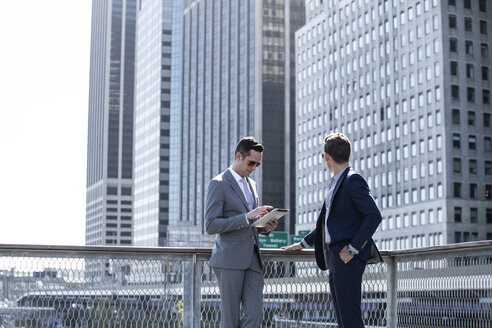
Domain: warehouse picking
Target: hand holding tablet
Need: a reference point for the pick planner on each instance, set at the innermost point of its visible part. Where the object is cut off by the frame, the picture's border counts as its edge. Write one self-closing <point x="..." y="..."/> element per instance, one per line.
<point x="276" y="213"/>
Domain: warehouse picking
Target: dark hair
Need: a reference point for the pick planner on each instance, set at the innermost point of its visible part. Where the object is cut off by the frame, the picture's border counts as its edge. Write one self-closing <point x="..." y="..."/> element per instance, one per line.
<point x="245" y="145"/>
<point x="337" y="145"/>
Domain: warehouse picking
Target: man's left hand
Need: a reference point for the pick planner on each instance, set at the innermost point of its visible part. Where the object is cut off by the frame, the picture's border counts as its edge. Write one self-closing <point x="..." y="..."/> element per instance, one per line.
<point x="345" y="255"/>
<point x="271" y="225"/>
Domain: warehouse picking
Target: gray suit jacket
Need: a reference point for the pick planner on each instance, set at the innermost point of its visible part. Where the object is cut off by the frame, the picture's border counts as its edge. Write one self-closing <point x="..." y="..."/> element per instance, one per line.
<point x="236" y="240"/>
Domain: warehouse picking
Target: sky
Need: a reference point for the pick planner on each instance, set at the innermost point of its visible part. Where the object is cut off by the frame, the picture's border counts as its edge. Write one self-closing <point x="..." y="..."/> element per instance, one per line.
<point x="44" y="92"/>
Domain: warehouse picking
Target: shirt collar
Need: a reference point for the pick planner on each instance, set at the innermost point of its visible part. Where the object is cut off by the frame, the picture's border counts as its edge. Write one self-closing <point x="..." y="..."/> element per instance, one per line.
<point x="337" y="177"/>
<point x="235" y="175"/>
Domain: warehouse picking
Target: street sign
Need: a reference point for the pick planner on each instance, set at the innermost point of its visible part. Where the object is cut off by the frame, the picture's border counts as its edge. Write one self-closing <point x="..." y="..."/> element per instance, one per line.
<point x="275" y="239"/>
<point x="303" y="232"/>
<point x="295" y="238"/>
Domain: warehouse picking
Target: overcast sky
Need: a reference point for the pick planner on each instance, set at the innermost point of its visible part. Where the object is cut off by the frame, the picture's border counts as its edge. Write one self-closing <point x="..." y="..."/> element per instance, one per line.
<point x="44" y="73"/>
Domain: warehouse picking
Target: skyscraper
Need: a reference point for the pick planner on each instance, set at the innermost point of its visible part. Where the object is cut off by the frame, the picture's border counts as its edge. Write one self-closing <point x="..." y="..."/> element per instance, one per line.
<point x="409" y="84"/>
<point x="152" y="122"/>
<point x="110" y="130"/>
<point x="234" y="78"/>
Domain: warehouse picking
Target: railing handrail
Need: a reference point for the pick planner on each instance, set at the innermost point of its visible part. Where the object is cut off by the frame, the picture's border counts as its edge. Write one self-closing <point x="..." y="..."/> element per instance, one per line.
<point x="384" y="280"/>
<point x="139" y="250"/>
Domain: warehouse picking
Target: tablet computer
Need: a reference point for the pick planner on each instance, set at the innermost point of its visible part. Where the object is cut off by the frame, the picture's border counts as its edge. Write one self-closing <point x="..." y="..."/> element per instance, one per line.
<point x="276" y="213"/>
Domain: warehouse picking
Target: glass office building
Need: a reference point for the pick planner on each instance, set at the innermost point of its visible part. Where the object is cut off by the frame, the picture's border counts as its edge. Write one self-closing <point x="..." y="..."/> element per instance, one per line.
<point x="110" y="125"/>
<point x="409" y="84"/>
<point x="152" y="122"/>
<point x="232" y="76"/>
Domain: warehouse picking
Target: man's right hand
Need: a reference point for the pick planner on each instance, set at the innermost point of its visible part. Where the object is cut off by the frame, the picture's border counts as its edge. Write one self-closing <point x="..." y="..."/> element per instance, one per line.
<point x="293" y="247"/>
<point x="259" y="211"/>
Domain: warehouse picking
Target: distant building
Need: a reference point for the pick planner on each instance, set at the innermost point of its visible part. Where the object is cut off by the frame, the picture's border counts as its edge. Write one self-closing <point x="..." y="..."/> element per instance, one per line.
<point x="409" y="84"/>
<point x="152" y="122"/>
<point x="232" y="76"/>
<point x="110" y="132"/>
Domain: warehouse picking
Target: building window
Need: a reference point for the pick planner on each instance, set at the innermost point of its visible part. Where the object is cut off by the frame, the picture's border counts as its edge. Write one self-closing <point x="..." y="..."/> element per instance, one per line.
<point x="488" y="215"/>
<point x="457" y="189"/>
<point x="452" y="21"/>
<point x="482" y="5"/>
<point x="486" y="120"/>
<point x="485" y="73"/>
<point x="452" y="2"/>
<point x="414" y="219"/>
<point x="488" y="192"/>
<point x="470" y="94"/>
<point x="468" y="24"/>
<point x="486" y="97"/>
<point x="474" y="215"/>
<point x="456" y="140"/>
<point x="484" y="50"/>
<point x="456" y="116"/>
<point x="469" y="47"/>
<point x="455" y="92"/>
<point x="438" y="142"/>
<point x="487" y="144"/>
<point x="472" y="166"/>
<point x="473" y="190"/>
<point x="467" y="4"/>
<point x="483" y="27"/>
<point x="488" y="167"/>
<point x="112" y="190"/>
<point x="472" y="142"/>
<point x="471" y="118"/>
<point x="470" y="71"/>
<point x="453" y="68"/>
<point x="453" y="45"/>
<point x="457" y="214"/>
<point x="457" y="165"/>
<point x="126" y="191"/>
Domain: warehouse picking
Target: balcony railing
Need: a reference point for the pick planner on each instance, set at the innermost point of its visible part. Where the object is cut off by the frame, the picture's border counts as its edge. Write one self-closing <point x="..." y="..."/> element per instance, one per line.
<point x="70" y="286"/>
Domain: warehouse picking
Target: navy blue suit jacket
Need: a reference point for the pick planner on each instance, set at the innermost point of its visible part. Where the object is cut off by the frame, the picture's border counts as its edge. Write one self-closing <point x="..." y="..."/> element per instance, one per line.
<point x="353" y="219"/>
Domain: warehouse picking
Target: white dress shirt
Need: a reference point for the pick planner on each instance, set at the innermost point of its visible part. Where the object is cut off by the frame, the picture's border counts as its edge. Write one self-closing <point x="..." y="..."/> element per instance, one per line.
<point x="241" y="185"/>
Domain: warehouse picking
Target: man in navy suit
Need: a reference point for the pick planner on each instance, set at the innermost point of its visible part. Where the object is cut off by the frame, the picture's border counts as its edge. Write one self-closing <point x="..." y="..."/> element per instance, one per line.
<point x="343" y="235"/>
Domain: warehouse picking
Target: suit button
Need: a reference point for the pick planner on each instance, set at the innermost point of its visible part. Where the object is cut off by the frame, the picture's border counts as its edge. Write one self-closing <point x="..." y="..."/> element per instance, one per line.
<point x="252" y="237"/>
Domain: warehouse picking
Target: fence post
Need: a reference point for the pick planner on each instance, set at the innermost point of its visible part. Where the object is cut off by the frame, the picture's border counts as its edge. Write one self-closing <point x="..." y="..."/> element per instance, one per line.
<point x="192" y="293"/>
<point x="391" y="290"/>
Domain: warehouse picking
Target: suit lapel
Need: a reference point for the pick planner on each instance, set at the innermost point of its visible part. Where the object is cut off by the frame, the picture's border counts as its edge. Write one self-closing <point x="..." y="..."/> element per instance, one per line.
<point x="339" y="182"/>
<point x="230" y="178"/>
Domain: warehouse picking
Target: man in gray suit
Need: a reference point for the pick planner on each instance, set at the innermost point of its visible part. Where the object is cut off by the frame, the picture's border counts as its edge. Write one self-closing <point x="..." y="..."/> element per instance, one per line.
<point x="232" y="206"/>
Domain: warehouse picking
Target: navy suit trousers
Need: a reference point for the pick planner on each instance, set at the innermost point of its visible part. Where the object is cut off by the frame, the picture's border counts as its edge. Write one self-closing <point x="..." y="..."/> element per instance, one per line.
<point x="345" y="286"/>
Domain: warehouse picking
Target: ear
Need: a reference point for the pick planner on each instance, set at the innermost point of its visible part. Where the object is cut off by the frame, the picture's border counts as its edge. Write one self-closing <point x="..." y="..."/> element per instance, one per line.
<point x="237" y="157"/>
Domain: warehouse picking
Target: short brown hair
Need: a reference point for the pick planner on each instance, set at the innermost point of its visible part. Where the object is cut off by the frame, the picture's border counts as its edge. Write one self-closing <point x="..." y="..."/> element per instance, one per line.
<point x="337" y="145"/>
<point x="246" y="144"/>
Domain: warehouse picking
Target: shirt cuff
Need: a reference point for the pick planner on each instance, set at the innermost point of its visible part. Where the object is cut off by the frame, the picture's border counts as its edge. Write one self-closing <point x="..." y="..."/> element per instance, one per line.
<point x="353" y="249"/>
<point x="304" y="244"/>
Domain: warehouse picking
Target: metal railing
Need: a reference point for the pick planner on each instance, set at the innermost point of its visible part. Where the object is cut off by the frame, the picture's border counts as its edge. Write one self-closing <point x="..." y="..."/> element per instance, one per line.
<point x="70" y="286"/>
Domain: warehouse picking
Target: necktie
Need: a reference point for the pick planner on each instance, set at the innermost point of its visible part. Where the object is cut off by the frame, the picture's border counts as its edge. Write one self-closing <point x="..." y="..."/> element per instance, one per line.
<point x="249" y="196"/>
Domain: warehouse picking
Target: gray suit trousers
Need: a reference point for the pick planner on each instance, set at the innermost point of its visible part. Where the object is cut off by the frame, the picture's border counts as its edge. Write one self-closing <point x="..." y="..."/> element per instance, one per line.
<point x="241" y="286"/>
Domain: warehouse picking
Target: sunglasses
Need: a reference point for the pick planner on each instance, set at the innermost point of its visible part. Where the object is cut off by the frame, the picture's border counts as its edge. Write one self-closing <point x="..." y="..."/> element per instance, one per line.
<point x="253" y="163"/>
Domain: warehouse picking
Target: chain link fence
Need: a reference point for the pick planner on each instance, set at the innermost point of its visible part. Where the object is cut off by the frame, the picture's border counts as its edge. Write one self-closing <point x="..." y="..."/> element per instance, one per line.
<point x="43" y="286"/>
